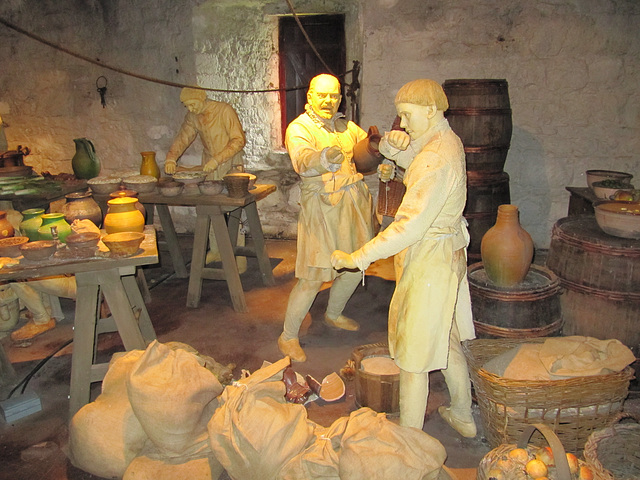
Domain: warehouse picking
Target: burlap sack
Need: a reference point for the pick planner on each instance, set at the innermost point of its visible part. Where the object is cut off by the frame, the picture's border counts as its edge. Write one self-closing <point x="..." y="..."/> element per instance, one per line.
<point x="173" y="397"/>
<point x="105" y="435"/>
<point x="255" y="432"/>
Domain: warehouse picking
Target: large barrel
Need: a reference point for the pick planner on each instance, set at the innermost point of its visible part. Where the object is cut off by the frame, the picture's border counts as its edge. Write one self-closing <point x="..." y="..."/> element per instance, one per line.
<point x="485" y="193"/>
<point x="480" y="114"/>
<point x="601" y="277"/>
<point x="528" y="309"/>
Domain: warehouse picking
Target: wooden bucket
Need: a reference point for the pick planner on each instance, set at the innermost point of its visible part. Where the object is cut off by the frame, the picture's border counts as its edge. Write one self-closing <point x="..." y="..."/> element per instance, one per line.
<point x="601" y="277"/>
<point x="378" y="392"/>
<point x="480" y="114"/>
<point x="527" y="310"/>
<point x="485" y="193"/>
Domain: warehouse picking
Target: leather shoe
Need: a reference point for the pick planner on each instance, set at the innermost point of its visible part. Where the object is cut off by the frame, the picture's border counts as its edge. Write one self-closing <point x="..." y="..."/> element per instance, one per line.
<point x="466" y="429"/>
<point x="342" y="322"/>
<point x="31" y="330"/>
<point x="292" y="348"/>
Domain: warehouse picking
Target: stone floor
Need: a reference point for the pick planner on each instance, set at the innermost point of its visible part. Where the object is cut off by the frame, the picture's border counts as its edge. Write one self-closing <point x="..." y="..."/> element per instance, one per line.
<point x="32" y="447"/>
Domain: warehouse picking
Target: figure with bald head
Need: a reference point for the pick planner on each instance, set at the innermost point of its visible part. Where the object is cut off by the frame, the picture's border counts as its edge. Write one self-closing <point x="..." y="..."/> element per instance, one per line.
<point x="336" y="210"/>
<point x="430" y="312"/>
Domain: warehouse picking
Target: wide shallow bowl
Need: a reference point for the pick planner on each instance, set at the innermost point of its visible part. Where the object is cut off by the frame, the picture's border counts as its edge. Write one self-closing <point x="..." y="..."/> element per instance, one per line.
<point x="605" y="189"/>
<point x="141" y="183"/>
<point x="84" y="240"/>
<point x="38" y="250"/>
<point x="211" y="187"/>
<point x="170" y="188"/>
<point x="189" y="177"/>
<point x="620" y="219"/>
<point x="104" y="185"/>
<point x="122" y="244"/>
<point x="10" y="247"/>
<point x="599" y="175"/>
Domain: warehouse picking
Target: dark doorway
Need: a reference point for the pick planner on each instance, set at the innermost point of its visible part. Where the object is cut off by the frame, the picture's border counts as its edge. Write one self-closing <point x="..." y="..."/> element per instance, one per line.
<point x="298" y="62"/>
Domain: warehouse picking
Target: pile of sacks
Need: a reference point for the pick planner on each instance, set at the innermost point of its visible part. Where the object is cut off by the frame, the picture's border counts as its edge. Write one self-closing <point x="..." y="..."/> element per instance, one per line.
<point x="163" y="415"/>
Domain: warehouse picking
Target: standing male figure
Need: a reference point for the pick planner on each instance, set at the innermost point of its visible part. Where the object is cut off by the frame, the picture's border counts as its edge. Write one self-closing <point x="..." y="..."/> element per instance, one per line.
<point x="336" y="208"/>
<point x="430" y="312"/>
<point x="222" y="137"/>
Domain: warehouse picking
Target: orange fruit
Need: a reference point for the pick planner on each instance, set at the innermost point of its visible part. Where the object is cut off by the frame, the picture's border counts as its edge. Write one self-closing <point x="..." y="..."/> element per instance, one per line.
<point x="546" y="455"/>
<point x="536" y="468"/>
<point x="519" y="455"/>
<point x="572" y="460"/>
<point x="585" y="473"/>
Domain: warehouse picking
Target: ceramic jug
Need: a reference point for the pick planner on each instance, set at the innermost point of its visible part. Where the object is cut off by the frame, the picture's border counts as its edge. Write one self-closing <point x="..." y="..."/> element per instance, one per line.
<point x="54" y="220"/>
<point x="85" y="162"/>
<point x="6" y="229"/>
<point x="506" y="249"/>
<point x="149" y="165"/>
<point x="81" y="205"/>
<point x="31" y="221"/>
<point x="123" y="216"/>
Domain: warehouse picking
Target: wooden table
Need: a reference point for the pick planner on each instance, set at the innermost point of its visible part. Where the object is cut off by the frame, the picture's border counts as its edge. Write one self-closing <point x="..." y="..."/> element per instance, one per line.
<point x="223" y="212"/>
<point x="42" y="200"/>
<point x="115" y="279"/>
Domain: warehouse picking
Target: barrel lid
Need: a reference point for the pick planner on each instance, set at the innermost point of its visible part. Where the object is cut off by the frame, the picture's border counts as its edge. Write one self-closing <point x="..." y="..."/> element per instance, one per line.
<point x="539" y="281"/>
<point x="583" y="231"/>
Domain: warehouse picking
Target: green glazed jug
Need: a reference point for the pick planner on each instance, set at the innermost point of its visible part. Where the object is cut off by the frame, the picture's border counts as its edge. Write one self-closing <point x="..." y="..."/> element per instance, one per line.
<point x="85" y="162"/>
<point x="31" y="221"/>
<point x="54" y="220"/>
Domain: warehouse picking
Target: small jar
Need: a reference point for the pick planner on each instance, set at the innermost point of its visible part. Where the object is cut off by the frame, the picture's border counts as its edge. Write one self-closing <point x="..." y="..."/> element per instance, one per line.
<point x="80" y="206"/>
<point x="31" y="221"/>
<point x="6" y="229"/>
<point x="54" y="220"/>
<point x="123" y="216"/>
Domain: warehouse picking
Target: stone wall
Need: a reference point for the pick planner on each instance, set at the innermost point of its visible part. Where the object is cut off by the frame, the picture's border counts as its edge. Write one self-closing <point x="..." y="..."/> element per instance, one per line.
<point x="572" y="68"/>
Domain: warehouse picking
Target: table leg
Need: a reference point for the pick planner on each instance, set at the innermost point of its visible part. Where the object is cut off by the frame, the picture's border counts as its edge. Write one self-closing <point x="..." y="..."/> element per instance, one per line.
<point x="228" y="257"/>
<point x="172" y="240"/>
<point x="136" y="300"/>
<point x="84" y="331"/>
<point x="255" y="227"/>
<point x="233" y="225"/>
<point x="201" y="237"/>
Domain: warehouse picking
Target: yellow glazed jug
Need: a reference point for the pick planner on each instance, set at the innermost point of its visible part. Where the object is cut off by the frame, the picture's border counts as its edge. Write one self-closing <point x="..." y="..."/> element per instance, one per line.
<point x="149" y="165"/>
<point x="123" y="216"/>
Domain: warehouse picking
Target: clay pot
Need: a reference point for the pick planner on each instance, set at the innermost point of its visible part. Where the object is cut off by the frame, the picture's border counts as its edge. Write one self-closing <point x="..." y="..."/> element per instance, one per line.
<point x="80" y="206"/>
<point x="54" y="220"/>
<point x="123" y="216"/>
<point x="6" y="229"/>
<point x="506" y="249"/>
<point x="131" y="194"/>
<point x="31" y="221"/>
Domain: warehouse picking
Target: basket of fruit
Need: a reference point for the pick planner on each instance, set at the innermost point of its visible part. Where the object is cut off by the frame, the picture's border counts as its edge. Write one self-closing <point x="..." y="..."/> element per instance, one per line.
<point x="523" y="461"/>
<point x="613" y="453"/>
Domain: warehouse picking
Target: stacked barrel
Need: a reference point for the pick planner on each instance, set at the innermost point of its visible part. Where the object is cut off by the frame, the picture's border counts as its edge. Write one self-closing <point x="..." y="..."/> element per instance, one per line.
<point x="480" y="114"/>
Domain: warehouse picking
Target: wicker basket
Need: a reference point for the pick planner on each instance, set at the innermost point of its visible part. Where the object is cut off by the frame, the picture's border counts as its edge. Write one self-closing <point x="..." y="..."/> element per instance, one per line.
<point x="390" y="196"/>
<point x="613" y="453"/>
<point x="573" y="408"/>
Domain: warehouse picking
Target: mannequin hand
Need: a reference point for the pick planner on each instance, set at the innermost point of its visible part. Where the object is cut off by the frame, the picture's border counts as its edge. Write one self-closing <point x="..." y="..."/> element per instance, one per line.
<point x="334" y="155"/>
<point x="398" y="139"/>
<point x="210" y="166"/>
<point x="340" y="260"/>
<point x="170" y="167"/>
<point x="385" y="172"/>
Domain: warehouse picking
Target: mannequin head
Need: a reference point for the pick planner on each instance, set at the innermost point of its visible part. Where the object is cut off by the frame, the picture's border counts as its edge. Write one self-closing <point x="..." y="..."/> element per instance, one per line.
<point x="324" y="95"/>
<point x="193" y="99"/>
<point x="420" y="104"/>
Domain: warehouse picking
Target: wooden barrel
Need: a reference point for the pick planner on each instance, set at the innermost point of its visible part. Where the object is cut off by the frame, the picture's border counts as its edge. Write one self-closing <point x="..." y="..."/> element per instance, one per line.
<point x="378" y="392"/>
<point x="601" y="277"/>
<point x="529" y="309"/>
<point x="485" y="193"/>
<point x="480" y="114"/>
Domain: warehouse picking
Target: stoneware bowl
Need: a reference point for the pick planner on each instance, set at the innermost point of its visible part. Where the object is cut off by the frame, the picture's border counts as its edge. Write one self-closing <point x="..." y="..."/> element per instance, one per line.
<point x="123" y="244"/>
<point x="141" y="183"/>
<point x="620" y="219"/>
<point x="599" y="175"/>
<point x="189" y="177"/>
<point x="605" y="189"/>
<point x="170" y="188"/>
<point x="10" y="247"/>
<point x="38" y="250"/>
<point x="84" y="240"/>
<point x="104" y="185"/>
<point x="211" y="187"/>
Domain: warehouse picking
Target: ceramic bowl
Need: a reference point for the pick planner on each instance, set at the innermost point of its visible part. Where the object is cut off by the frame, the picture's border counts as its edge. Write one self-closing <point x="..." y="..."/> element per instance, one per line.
<point x="83" y="241"/>
<point x="10" y="247"/>
<point x="211" y="187"/>
<point x="620" y="219"/>
<point x="104" y="185"/>
<point x="123" y="244"/>
<point x="38" y="250"/>
<point x="141" y="183"/>
<point x="605" y="189"/>
<point x="599" y="175"/>
<point x="189" y="177"/>
<point x="170" y="188"/>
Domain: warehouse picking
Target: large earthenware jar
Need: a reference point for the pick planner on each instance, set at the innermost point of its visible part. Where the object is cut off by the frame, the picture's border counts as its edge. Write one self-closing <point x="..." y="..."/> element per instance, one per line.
<point x="31" y="221"/>
<point x="85" y="162"/>
<point x="81" y="206"/>
<point x="6" y="229"/>
<point x="131" y="194"/>
<point x="123" y="216"/>
<point x="506" y="249"/>
<point x="54" y="220"/>
<point x="149" y="165"/>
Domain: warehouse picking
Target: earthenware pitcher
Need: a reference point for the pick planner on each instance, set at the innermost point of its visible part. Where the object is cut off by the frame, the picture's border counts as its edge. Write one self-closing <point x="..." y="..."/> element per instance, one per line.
<point x="85" y="162"/>
<point x="80" y="206"/>
<point x="149" y="165"/>
<point x="506" y="249"/>
<point x="31" y="221"/>
<point x="123" y="216"/>
<point x="54" y="220"/>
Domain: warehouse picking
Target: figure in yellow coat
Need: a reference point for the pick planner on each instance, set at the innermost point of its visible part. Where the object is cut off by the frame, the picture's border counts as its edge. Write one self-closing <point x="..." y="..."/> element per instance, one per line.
<point x="430" y="312"/>
<point x="336" y="208"/>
